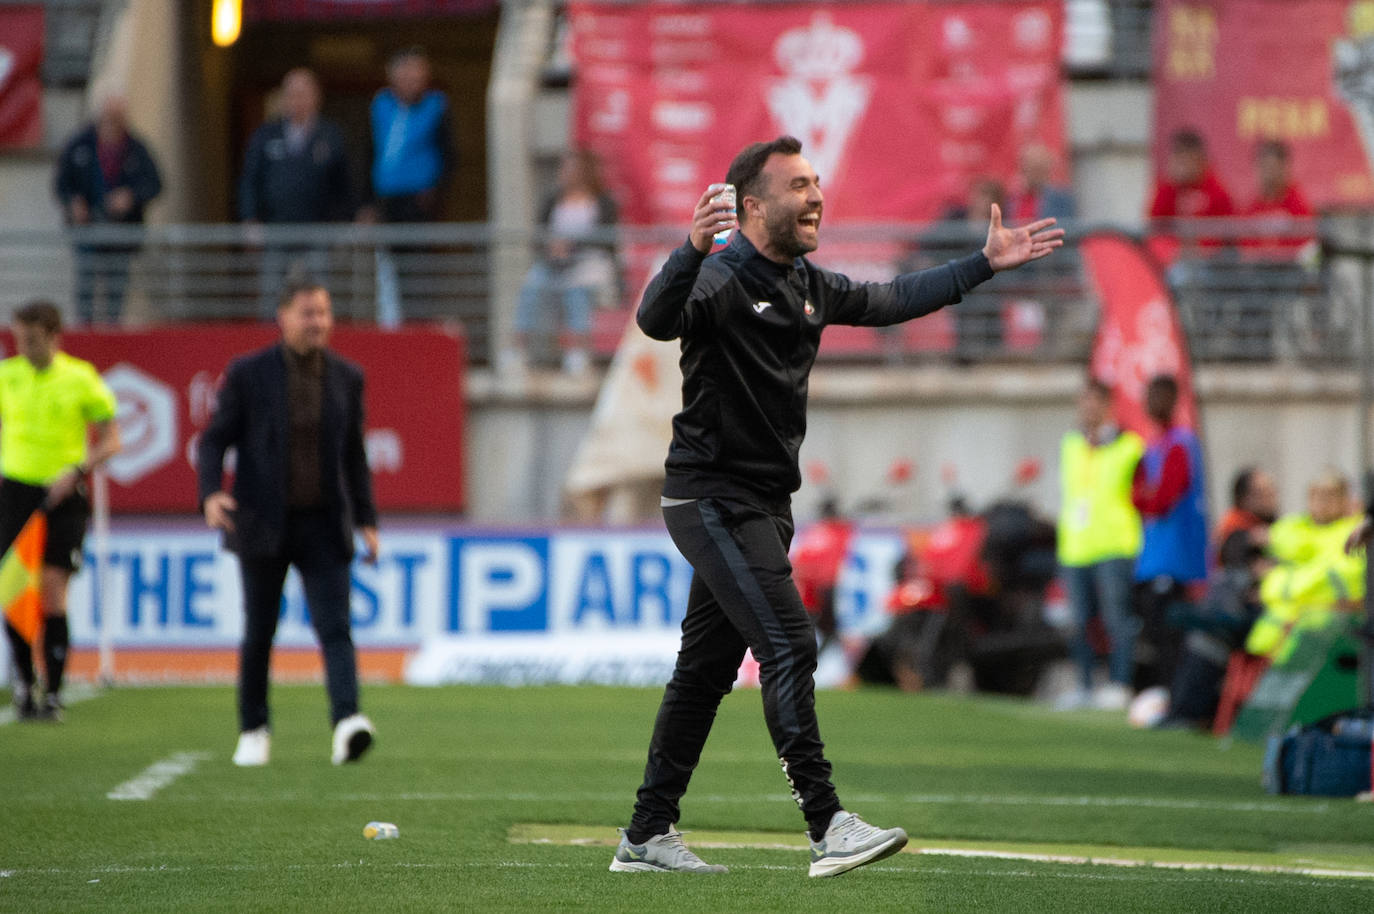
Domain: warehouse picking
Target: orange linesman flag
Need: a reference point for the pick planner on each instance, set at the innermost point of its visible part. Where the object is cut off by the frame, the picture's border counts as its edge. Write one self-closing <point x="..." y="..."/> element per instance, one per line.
<point x="21" y="576"/>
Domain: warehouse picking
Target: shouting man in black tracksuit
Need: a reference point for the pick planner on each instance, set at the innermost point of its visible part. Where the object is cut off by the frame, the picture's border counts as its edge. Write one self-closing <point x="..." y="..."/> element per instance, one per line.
<point x="750" y="321"/>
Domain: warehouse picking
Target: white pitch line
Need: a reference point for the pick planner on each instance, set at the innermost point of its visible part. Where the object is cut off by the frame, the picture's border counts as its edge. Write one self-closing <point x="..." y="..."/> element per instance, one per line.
<point x="1079" y="860"/>
<point x="1193" y="875"/>
<point x="156" y="776"/>
<point x="1239" y="806"/>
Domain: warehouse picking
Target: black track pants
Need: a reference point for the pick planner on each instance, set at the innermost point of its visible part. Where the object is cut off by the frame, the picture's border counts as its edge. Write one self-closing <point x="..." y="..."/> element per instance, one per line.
<point x="742" y="596"/>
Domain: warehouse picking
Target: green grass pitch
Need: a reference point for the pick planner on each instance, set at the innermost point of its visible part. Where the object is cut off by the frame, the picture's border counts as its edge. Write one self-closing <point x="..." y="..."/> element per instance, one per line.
<point x="508" y="799"/>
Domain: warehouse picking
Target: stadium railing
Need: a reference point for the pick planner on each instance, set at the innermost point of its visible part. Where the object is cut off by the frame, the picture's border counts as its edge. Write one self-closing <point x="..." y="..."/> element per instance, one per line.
<point x="1243" y="295"/>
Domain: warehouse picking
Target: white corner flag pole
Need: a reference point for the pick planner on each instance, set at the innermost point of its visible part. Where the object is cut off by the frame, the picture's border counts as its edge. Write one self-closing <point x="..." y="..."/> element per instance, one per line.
<point x="100" y="540"/>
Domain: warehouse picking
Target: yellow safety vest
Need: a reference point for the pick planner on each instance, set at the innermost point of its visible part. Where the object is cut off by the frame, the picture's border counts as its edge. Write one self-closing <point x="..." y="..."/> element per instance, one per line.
<point x="1097" y="520"/>
<point x="1316" y="577"/>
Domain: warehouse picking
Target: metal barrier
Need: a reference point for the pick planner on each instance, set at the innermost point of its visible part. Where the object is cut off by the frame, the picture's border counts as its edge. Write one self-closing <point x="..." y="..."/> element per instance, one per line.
<point x="1241" y="297"/>
<point x="1256" y="290"/>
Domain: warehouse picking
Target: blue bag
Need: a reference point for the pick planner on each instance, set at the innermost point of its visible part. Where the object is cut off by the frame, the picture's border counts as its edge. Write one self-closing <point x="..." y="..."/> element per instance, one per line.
<point x="1330" y="758"/>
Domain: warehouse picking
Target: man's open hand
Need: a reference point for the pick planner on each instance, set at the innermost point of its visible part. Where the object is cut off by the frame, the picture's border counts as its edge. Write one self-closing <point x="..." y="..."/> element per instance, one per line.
<point x="1008" y="248"/>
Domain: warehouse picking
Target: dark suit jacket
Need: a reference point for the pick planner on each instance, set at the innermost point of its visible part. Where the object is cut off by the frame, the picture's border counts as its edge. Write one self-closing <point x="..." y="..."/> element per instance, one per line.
<point x="251" y="415"/>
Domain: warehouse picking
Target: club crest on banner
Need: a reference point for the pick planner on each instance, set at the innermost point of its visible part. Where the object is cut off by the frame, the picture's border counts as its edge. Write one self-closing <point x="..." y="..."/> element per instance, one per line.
<point x="819" y="99"/>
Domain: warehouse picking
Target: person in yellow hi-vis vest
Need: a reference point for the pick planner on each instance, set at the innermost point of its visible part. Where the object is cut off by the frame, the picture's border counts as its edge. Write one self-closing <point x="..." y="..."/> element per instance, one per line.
<point x="1099" y="540"/>
<point x="1316" y="577"/>
<point x="50" y="403"/>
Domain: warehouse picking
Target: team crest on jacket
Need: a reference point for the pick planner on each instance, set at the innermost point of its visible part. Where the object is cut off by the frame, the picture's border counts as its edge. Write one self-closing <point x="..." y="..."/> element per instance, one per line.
<point x="809" y="308"/>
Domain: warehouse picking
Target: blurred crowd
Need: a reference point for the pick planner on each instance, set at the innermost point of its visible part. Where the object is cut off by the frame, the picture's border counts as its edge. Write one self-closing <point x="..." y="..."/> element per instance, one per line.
<point x="295" y="170"/>
<point x="1167" y="617"/>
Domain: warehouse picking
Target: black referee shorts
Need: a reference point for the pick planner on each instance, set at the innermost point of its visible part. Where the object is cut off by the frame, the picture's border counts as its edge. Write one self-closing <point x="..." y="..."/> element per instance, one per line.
<point x="67" y="521"/>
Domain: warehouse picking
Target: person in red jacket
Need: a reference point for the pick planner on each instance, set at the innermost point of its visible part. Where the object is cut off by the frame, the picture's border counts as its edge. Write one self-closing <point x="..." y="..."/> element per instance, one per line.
<point x="1277" y="205"/>
<point x="1189" y="189"/>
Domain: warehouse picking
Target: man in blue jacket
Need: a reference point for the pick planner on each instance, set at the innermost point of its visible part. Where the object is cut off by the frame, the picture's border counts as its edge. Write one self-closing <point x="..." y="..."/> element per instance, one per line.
<point x="1168" y="491"/>
<point x="410" y="161"/>
<point x="105" y="176"/>
<point x="750" y="321"/>
<point x="412" y="142"/>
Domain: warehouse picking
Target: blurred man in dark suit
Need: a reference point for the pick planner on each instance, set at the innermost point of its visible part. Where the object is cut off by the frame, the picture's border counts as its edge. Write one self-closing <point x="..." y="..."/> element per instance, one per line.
<point x="294" y="413"/>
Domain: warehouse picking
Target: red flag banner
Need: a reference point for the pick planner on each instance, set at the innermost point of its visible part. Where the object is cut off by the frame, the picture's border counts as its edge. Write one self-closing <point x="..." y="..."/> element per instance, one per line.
<point x="899" y="106"/>
<point x="1244" y="71"/>
<point x="21" y="90"/>
<point x="1138" y="331"/>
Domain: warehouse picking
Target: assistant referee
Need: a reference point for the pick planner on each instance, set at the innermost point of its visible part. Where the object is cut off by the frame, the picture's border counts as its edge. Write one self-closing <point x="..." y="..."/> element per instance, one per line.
<point x="50" y="403"/>
<point x="750" y="321"/>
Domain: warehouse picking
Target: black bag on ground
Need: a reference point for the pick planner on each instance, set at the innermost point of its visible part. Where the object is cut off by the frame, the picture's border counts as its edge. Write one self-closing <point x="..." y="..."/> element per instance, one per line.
<point x="1330" y="758"/>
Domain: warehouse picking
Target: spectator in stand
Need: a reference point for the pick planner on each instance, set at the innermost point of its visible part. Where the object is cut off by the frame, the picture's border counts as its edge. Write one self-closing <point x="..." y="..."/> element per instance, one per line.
<point x="410" y="160"/>
<point x="412" y="142"/>
<point x="105" y="176"/>
<point x="1189" y="189"/>
<point x="1168" y="492"/>
<point x="1254" y="506"/>
<point x="1036" y="196"/>
<point x="577" y="264"/>
<point x="1278" y="204"/>
<point x="295" y="170"/>
<point x="1099" y="542"/>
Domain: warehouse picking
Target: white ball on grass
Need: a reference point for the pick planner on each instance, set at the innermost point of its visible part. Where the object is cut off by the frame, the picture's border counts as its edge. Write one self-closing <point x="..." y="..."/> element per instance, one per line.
<point x="1148" y="708"/>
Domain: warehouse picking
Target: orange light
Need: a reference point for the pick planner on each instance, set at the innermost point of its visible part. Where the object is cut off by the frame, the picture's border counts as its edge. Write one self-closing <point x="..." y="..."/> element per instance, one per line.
<point x="226" y="20"/>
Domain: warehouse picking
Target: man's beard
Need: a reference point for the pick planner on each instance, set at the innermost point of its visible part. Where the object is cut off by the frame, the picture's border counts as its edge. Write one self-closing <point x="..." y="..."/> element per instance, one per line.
<point x="783" y="237"/>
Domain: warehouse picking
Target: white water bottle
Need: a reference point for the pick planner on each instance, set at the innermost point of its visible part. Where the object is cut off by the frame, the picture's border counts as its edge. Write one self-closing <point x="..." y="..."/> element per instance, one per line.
<point x="727" y="194"/>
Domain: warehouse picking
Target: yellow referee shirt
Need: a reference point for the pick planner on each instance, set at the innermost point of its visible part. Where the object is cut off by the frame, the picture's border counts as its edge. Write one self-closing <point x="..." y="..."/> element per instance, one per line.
<point x="44" y="415"/>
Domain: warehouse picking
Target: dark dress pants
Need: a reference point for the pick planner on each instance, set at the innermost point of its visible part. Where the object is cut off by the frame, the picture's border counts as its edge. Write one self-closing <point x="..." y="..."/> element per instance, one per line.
<point x="325" y="575"/>
<point x="742" y="596"/>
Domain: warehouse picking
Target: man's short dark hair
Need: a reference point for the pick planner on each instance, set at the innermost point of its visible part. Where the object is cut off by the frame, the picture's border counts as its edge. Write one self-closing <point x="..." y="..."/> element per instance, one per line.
<point x="407" y="53"/>
<point x="1187" y="140"/>
<point x="1243" y="484"/>
<point x="746" y="171"/>
<point x="298" y="286"/>
<point x="40" y="313"/>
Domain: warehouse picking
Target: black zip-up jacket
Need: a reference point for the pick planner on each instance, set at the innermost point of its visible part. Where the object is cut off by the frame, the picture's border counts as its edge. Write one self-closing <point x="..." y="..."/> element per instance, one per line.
<point x="750" y="329"/>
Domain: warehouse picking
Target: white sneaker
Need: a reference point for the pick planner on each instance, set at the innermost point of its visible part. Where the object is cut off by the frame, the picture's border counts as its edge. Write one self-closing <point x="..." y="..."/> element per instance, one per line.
<point x="849" y="842"/>
<point x="352" y="736"/>
<point x="664" y="853"/>
<point x="1112" y="696"/>
<point x="254" y="748"/>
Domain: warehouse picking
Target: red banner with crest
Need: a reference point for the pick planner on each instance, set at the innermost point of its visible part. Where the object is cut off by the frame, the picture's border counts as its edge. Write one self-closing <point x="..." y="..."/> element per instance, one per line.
<point x="899" y="106"/>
